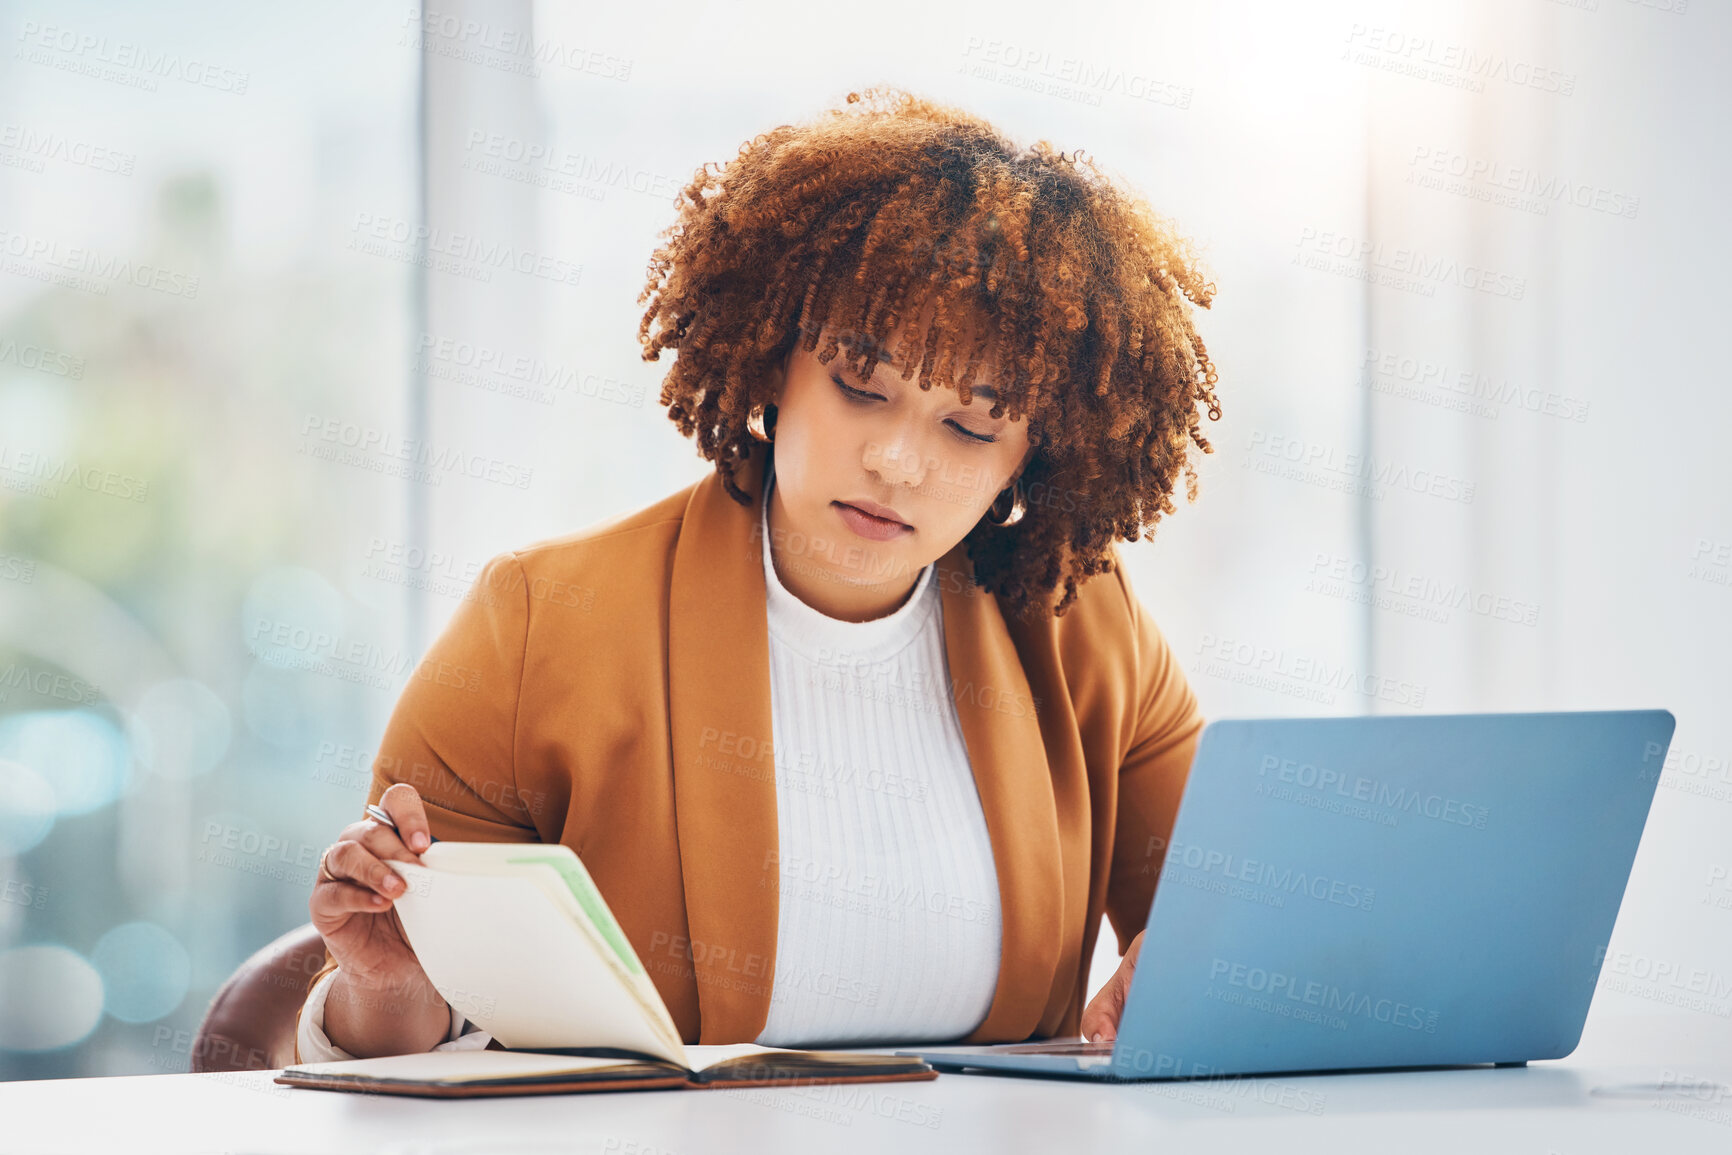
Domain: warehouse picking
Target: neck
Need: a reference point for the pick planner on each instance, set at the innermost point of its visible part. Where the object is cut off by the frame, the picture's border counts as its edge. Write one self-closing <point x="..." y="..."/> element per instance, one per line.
<point x="819" y="586"/>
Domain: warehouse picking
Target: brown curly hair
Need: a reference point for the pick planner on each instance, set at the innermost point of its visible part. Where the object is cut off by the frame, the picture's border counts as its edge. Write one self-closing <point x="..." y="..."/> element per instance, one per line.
<point x="860" y="218"/>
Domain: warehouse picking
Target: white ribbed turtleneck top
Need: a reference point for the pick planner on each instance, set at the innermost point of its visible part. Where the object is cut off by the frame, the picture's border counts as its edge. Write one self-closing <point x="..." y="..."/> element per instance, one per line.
<point x="889" y="923"/>
<point x="889" y="914"/>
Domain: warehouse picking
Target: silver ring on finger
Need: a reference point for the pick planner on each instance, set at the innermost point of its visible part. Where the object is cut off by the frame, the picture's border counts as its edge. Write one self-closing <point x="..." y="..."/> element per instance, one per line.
<point x="325" y="874"/>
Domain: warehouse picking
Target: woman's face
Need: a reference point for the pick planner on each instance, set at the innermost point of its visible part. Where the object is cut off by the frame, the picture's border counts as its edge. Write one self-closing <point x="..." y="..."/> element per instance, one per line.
<point x="848" y="448"/>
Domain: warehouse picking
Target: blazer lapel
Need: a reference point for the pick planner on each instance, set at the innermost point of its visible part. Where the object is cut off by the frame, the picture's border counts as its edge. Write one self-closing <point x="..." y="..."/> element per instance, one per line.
<point x="995" y="708"/>
<point x="723" y="762"/>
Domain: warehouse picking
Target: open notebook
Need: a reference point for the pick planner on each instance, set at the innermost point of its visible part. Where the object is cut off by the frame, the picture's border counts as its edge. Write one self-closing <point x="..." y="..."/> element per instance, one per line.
<point x="459" y="1074"/>
<point x="517" y="937"/>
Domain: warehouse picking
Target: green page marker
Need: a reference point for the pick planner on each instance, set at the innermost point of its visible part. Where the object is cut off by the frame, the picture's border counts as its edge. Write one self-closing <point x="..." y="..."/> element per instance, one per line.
<point x="583" y="889"/>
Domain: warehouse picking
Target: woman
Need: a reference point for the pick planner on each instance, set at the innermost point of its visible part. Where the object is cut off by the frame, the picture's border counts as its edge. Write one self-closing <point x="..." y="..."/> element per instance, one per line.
<point x="843" y="769"/>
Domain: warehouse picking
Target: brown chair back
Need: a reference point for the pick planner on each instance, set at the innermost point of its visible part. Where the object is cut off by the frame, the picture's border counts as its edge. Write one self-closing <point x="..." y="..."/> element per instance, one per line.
<point x="250" y="1025"/>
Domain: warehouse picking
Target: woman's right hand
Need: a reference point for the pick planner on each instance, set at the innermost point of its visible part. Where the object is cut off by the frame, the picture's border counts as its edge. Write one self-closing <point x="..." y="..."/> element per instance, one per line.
<point x="381" y="1001"/>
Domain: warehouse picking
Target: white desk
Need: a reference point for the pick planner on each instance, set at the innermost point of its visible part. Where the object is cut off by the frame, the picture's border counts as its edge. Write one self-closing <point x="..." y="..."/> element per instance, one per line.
<point x="1550" y="1107"/>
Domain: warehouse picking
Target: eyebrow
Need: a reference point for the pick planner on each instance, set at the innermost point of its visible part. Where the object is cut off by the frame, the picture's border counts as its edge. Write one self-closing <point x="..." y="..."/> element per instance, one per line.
<point x="884" y="358"/>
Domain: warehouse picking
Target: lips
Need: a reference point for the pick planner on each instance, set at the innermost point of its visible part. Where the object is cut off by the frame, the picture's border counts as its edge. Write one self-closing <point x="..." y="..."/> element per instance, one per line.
<point x="870" y="525"/>
<point x="882" y="512"/>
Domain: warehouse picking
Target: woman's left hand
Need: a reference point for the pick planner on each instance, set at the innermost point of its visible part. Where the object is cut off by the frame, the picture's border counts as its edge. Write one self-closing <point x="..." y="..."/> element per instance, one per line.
<point x="1100" y="1019"/>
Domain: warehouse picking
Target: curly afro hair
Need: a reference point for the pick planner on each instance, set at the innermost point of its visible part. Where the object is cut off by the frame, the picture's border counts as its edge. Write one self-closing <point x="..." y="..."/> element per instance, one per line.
<point x="855" y="222"/>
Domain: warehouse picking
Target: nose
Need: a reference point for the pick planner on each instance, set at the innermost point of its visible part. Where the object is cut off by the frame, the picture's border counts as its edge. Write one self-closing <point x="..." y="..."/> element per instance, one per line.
<point x="898" y="461"/>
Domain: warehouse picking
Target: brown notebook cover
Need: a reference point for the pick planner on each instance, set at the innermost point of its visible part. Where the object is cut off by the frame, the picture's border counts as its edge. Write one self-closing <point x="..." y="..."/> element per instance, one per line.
<point x="466" y="1075"/>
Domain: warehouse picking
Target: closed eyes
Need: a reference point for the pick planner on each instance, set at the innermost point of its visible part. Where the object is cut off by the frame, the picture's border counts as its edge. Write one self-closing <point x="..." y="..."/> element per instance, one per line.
<point x="862" y="396"/>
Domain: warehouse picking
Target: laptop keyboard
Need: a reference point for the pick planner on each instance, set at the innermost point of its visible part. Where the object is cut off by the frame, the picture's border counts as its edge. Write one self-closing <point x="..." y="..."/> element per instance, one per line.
<point x="1075" y="1048"/>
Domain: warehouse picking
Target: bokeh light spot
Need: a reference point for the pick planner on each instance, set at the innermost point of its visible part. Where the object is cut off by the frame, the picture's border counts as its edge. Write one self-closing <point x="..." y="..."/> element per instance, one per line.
<point x="145" y="971"/>
<point x="26" y="808"/>
<point x="50" y="997"/>
<point x="180" y="729"/>
<point x="84" y="758"/>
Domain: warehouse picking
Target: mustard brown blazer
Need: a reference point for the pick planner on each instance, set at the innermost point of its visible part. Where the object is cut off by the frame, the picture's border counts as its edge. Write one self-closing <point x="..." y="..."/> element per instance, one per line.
<point x="609" y="689"/>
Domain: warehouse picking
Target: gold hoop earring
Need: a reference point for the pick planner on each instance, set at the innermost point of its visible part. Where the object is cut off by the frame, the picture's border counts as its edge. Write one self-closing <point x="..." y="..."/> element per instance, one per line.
<point x="1017" y="506"/>
<point x="755" y="424"/>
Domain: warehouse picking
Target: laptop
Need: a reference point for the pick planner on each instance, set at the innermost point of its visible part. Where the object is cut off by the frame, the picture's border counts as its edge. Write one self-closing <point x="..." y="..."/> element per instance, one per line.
<point x="1380" y="892"/>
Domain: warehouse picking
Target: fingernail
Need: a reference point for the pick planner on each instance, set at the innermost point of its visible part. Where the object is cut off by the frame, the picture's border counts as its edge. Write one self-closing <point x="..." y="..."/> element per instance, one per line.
<point x="1095" y="1038"/>
<point x="393" y="883"/>
<point x="418" y="841"/>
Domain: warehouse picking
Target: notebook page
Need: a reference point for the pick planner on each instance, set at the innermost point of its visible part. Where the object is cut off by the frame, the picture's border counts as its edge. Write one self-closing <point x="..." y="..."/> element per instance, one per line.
<point x="559" y="871"/>
<point x="633" y="978"/>
<point x="520" y="968"/>
<point x="704" y="1057"/>
<point x="459" y="1066"/>
<point x="566" y="882"/>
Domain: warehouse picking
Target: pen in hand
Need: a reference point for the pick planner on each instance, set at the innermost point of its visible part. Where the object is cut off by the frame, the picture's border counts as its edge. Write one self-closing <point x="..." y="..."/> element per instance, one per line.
<point x="380" y="814"/>
<point x="361" y="877"/>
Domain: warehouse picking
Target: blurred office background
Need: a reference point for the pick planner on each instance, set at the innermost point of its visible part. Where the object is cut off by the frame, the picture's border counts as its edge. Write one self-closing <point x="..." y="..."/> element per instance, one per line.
<point x="1470" y="262"/>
